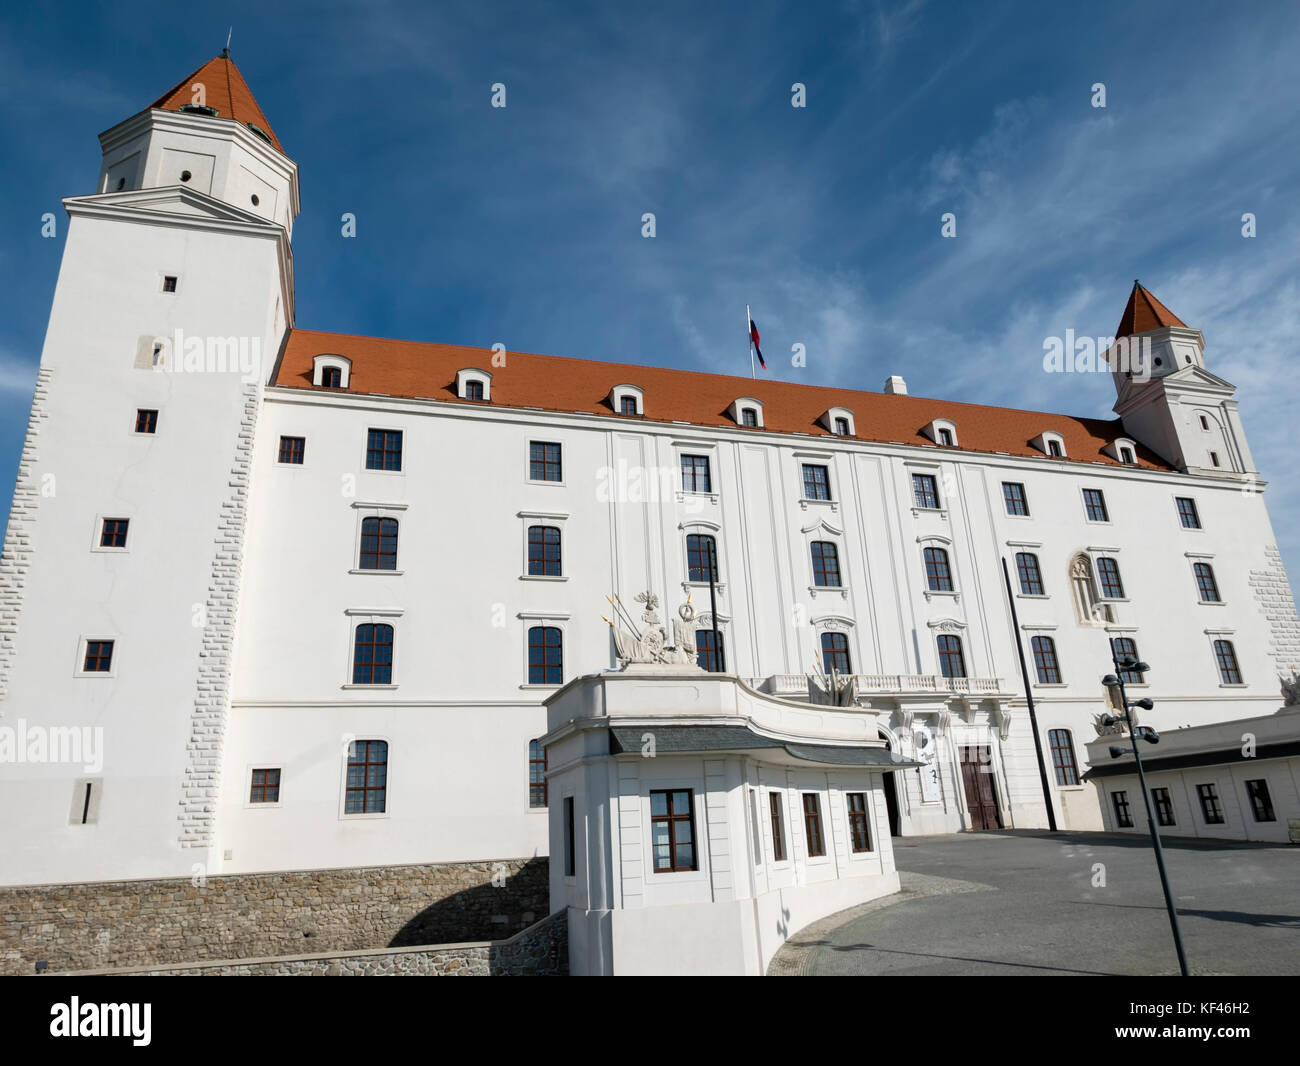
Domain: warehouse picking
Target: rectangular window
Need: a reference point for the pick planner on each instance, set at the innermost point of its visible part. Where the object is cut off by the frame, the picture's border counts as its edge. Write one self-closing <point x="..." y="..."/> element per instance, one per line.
<point x="545" y="656"/>
<point x="169" y="283"/>
<point x="113" y="533"/>
<point x="1046" y="663"/>
<point x="835" y="653"/>
<point x="367" y="783"/>
<point x="99" y="657"/>
<point x="537" y="796"/>
<point x="709" y="655"/>
<point x="1054" y="449"/>
<point x="1112" y="588"/>
<point x="701" y="557"/>
<point x="292" y="449"/>
<point x="1031" y="578"/>
<point x="816" y="482"/>
<point x="384" y="449"/>
<point x="945" y="437"/>
<point x="266" y="787"/>
<point x="543" y="551"/>
<point x="826" y="564"/>
<point x="1126" y="648"/>
<point x="672" y="830"/>
<point x="841" y="427"/>
<point x="1188" y="517"/>
<point x="1164" y="806"/>
<point x="952" y="663"/>
<point x="859" y="830"/>
<point x="1206" y="587"/>
<point x="1210" y="807"/>
<point x="925" y="491"/>
<point x="1261" y="804"/>
<point x="695" y="474"/>
<point x="1013" y="495"/>
<point x="812" y="824"/>
<point x="570" y="850"/>
<point x="1123" y="816"/>
<point x="146" y="420"/>
<point x="1062" y="745"/>
<point x="1095" y="505"/>
<point x="1226" y="658"/>
<point x="544" y="461"/>
<point x="938" y="575"/>
<point x="378" y="544"/>
<point x="778" y="826"/>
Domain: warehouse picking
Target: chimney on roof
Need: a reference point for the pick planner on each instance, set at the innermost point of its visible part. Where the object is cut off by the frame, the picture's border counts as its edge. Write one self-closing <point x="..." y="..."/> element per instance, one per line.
<point x="895" y="386"/>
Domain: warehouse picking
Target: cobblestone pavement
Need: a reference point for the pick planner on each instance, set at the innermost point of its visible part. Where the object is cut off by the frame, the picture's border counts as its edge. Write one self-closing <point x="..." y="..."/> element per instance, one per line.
<point x="1031" y="902"/>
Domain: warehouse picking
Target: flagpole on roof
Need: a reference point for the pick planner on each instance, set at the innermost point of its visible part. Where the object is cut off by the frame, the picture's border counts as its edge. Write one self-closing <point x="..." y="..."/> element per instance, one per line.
<point x="749" y="332"/>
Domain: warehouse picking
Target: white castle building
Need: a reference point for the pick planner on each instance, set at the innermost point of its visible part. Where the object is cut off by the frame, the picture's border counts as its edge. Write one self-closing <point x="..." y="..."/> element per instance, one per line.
<point x="311" y="590"/>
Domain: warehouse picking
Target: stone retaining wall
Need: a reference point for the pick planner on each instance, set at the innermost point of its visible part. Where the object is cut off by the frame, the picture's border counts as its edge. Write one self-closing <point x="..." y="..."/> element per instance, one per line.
<point x="542" y="950"/>
<point x="253" y="916"/>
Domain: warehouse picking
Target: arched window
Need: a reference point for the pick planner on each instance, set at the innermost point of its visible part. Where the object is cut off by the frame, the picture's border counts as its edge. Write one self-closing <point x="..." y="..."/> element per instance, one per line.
<point x="835" y="653"/>
<point x="331" y="377"/>
<point x="701" y="557"/>
<point x="1045" y="662"/>
<point x="709" y="654"/>
<point x="545" y="656"/>
<point x="1086" y="606"/>
<point x="826" y="564"/>
<point x="937" y="574"/>
<point x="1126" y="648"/>
<point x="1226" y="656"/>
<point x="1207" y="588"/>
<point x="367" y="782"/>
<point x="537" y="796"/>
<point x="1031" y="578"/>
<point x="543" y="551"/>
<point x="372" y="659"/>
<point x="951" y="661"/>
<point x="1062" y="745"/>
<point x="1111" y="586"/>
<point x="378" y="544"/>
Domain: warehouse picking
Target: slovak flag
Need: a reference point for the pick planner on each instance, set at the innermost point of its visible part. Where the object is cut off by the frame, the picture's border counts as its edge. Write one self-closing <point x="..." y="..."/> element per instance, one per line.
<point x="753" y="339"/>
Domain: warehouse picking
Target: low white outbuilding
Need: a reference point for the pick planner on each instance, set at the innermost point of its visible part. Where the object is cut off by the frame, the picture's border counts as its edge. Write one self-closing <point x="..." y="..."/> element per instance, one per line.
<point x="697" y="823"/>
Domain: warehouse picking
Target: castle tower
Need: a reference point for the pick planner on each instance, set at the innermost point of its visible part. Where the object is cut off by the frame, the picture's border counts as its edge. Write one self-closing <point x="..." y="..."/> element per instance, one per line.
<point x="1167" y="399"/>
<point x="121" y="574"/>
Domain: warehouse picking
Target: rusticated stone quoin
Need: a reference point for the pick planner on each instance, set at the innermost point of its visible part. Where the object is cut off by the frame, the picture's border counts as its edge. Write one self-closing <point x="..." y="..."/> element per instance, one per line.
<point x="251" y="916"/>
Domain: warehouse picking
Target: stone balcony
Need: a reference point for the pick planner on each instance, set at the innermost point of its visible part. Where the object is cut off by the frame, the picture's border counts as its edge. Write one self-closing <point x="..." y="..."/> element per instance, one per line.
<point x="889" y="685"/>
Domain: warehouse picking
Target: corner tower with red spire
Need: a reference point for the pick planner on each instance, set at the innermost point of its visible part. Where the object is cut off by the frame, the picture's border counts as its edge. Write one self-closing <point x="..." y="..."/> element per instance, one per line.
<point x="1167" y="399"/>
<point x="174" y="295"/>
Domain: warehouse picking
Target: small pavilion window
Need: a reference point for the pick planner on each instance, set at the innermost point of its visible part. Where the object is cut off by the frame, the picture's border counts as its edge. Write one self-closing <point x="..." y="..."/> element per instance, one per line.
<point x="672" y="830"/>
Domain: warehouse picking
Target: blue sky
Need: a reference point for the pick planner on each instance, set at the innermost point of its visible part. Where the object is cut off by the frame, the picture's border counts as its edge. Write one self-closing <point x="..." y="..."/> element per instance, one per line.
<point x="523" y="225"/>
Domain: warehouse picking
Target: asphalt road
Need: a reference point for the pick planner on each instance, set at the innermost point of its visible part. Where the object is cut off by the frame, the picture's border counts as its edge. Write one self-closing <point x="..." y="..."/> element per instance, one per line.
<point x="1026" y="902"/>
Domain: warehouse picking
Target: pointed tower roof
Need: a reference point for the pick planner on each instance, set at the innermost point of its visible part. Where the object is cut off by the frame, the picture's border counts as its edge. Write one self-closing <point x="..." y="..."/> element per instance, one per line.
<point x="225" y="90"/>
<point x="1145" y="312"/>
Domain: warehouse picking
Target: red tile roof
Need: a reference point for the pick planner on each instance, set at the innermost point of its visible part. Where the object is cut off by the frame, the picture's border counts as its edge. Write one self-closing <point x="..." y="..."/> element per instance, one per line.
<point x="1145" y="312"/>
<point x="421" y="370"/>
<point x="224" y="88"/>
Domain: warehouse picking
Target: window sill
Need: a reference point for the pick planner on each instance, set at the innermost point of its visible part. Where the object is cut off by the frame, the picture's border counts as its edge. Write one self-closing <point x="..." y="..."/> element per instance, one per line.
<point x="386" y="573"/>
<point x="691" y="495"/>
<point x="543" y="577"/>
<point x="261" y="806"/>
<point x="1050" y="684"/>
<point x="1233" y="684"/>
<point x="110" y="551"/>
<point x="1032" y="596"/>
<point x="381" y="688"/>
<point x="281" y="462"/>
<point x="1022" y="517"/>
<point x="534" y="481"/>
<point x="1072" y="788"/>
<point x="363" y="817"/>
<point x="940" y="512"/>
<point x="1202" y="603"/>
<point x="554" y="686"/>
<point x="390" y="473"/>
<point x="842" y="590"/>
<point x="946" y="593"/>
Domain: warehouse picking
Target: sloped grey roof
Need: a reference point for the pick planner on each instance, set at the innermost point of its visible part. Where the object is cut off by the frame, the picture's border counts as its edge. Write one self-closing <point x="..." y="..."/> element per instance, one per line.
<point x="693" y="738"/>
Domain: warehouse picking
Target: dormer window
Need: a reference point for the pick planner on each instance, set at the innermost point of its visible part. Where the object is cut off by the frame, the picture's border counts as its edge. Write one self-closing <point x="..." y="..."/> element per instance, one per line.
<point x="943" y="431"/>
<point x="332" y="371"/>
<point x="1123" y="450"/>
<point x="839" y="421"/>
<point x="747" y="411"/>
<point x="627" y="399"/>
<point x="198" y="109"/>
<point x="1050" y="443"/>
<point x="474" y="384"/>
<point x="260" y="132"/>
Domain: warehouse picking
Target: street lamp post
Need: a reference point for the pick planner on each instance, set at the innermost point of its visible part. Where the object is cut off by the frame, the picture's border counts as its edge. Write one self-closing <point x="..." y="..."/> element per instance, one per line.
<point x="1116" y="680"/>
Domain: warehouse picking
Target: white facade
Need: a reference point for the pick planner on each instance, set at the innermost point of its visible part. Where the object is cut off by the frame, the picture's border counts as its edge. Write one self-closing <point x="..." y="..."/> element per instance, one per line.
<point x="235" y="604"/>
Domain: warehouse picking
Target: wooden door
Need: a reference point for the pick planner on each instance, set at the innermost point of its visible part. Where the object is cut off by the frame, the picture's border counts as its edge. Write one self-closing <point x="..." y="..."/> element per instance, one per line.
<point x="981" y="796"/>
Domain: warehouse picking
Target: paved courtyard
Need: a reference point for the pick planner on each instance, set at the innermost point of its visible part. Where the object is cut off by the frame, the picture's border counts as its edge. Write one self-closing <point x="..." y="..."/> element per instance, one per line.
<point x="1024" y="902"/>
